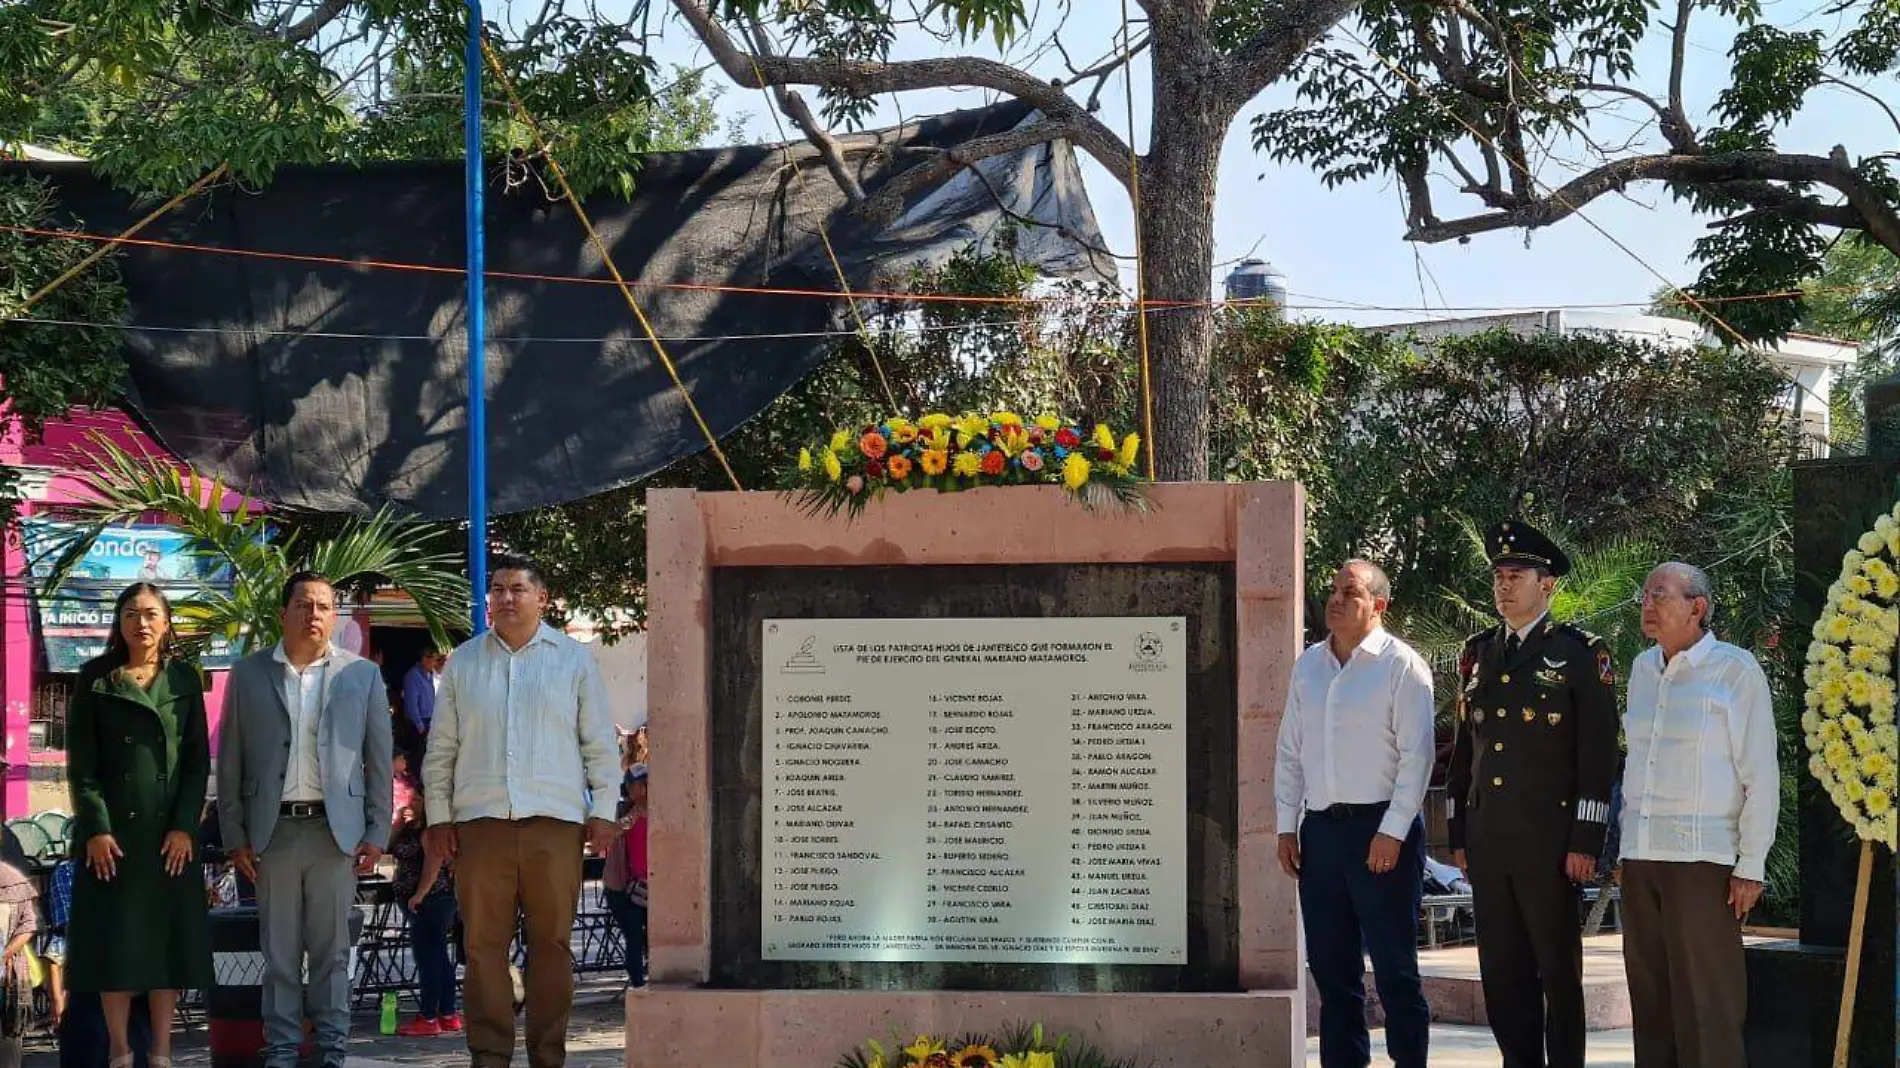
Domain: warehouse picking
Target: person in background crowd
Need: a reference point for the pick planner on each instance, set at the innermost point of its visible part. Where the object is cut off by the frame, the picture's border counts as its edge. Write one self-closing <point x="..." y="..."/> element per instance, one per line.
<point x="1529" y="793"/>
<point x="138" y="761"/>
<point x="1352" y="765"/>
<point x="640" y="753"/>
<point x="1702" y="793"/>
<point x="18" y="921"/>
<point x="419" y="687"/>
<point x="624" y="878"/>
<point x="59" y="906"/>
<point x="426" y="891"/>
<point x="519" y="776"/>
<point x="305" y="786"/>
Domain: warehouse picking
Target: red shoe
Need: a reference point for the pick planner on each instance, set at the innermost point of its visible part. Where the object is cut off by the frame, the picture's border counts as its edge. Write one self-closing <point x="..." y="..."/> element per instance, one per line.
<point x="420" y="1027"/>
<point x="451" y="1024"/>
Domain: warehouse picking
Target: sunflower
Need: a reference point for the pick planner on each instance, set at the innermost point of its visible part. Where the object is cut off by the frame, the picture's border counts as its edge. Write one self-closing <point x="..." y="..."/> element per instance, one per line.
<point x="974" y="1056"/>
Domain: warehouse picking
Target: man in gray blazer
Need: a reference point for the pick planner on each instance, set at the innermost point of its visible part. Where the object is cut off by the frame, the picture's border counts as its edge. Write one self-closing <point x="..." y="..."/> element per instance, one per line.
<point x="304" y="800"/>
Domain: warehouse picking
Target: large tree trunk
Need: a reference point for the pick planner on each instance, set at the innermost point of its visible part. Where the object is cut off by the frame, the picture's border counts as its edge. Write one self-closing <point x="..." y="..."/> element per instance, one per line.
<point x="1176" y="218"/>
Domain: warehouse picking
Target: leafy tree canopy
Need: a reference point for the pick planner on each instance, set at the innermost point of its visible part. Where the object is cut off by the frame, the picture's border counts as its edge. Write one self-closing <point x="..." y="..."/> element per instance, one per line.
<point x="1485" y="93"/>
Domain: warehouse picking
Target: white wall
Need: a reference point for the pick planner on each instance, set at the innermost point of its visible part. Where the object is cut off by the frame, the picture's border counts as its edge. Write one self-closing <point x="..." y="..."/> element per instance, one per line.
<point x="624" y="666"/>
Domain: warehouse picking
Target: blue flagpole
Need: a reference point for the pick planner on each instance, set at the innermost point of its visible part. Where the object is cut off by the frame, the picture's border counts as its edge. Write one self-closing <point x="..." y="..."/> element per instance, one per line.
<point x="477" y="328"/>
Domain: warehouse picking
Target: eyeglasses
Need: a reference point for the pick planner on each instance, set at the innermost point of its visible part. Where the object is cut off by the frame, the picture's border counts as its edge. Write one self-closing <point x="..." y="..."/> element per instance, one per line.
<point x="1643" y="596"/>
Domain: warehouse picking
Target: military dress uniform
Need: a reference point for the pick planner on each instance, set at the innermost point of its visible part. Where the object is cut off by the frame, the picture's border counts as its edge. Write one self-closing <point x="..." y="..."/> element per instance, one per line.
<point x="1530" y="780"/>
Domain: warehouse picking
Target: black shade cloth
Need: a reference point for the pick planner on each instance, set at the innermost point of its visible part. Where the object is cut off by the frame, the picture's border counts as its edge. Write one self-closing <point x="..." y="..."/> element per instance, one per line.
<point x="285" y="413"/>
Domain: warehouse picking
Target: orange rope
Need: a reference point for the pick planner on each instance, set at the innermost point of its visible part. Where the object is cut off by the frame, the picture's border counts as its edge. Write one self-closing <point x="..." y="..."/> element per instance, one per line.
<point x="105" y="249"/>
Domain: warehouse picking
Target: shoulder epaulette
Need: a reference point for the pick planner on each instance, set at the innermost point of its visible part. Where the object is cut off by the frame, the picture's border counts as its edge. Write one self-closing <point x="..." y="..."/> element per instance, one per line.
<point x="1579" y="633"/>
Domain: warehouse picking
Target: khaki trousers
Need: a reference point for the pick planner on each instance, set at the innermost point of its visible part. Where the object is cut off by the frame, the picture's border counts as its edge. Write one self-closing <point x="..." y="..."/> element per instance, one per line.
<point x="1682" y="950"/>
<point x="533" y="867"/>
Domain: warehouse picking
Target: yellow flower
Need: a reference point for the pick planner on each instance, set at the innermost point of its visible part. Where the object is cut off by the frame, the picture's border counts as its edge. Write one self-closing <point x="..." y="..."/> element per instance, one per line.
<point x="1014" y="1060"/>
<point x="804" y="459"/>
<point x="1104" y="437"/>
<point x="840" y="441"/>
<point x="1006" y="419"/>
<point x="1131" y="448"/>
<point x="967" y="464"/>
<point x="1837" y="754"/>
<point x="1858" y="586"/>
<point x="1048" y="421"/>
<point x="1887" y="586"/>
<point x="934" y="461"/>
<point x="1075" y="471"/>
<point x="935" y="421"/>
<point x="923" y="1047"/>
<point x="973" y="426"/>
<point x="1042" y="1059"/>
<point x="1879" y="803"/>
<point x="833" y="469"/>
<point x="1837" y="628"/>
<point x="1870" y="543"/>
<point x="904" y="434"/>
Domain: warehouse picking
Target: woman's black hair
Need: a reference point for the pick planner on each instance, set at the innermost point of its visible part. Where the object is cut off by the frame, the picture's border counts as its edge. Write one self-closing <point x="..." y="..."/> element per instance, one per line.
<point x="116" y="649"/>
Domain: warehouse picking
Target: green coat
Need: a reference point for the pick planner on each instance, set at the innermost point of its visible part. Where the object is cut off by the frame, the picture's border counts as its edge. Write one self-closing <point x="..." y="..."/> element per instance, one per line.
<point x="138" y="762"/>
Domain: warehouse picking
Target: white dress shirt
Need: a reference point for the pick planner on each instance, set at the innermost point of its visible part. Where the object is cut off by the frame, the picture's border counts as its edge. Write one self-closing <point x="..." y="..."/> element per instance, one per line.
<point x="1702" y="783"/>
<point x="1356" y="733"/>
<point x="521" y="733"/>
<point x="303" y="699"/>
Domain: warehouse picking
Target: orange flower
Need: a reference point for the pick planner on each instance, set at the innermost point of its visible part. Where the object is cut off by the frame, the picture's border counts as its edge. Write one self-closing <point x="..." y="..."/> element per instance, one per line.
<point x="899" y="467"/>
<point x="873" y="445"/>
<point x="934" y="461"/>
<point x="994" y="461"/>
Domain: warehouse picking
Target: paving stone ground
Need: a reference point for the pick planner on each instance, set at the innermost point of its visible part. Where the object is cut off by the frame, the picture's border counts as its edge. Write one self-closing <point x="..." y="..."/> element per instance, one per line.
<point x="596" y="1041"/>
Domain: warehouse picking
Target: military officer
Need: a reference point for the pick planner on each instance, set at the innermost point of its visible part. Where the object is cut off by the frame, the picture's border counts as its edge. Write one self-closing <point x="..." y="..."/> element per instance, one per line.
<point x="1529" y="798"/>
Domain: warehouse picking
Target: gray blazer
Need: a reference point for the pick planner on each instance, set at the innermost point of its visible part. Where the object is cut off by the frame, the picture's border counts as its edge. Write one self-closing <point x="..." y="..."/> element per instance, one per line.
<point x="353" y="752"/>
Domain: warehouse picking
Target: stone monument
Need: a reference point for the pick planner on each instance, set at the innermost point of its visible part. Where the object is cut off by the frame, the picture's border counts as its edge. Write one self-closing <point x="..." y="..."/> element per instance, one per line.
<point x="1795" y="986"/>
<point x="965" y="762"/>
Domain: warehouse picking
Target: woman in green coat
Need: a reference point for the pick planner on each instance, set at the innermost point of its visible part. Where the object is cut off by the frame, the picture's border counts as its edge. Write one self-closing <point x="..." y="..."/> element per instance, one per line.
<point x="138" y="762"/>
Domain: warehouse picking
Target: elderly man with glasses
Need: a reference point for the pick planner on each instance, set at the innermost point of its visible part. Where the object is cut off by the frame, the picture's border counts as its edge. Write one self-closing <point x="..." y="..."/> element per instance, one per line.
<point x="1701" y="793"/>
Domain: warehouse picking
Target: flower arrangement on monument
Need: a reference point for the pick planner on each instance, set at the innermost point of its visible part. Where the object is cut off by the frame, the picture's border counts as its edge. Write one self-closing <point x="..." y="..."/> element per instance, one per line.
<point x="1019" y="1047"/>
<point x="1849" y="720"/>
<point x="949" y="454"/>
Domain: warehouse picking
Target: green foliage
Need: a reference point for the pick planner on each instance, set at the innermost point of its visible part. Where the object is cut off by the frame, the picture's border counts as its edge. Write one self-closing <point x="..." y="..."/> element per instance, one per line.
<point x="45" y="369"/>
<point x="363" y="555"/>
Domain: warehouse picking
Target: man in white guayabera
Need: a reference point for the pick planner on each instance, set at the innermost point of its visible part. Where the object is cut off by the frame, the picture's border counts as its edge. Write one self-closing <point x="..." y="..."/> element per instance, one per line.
<point x="1700" y="795"/>
<point x="1355" y="757"/>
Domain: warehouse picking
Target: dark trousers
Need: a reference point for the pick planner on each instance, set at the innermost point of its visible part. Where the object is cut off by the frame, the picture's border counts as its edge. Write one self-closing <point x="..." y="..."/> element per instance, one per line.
<point x="1530" y="955"/>
<point x="1682" y="946"/>
<point x="1350" y="913"/>
<point x="632" y="919"/>
<point x="429" y="941"/>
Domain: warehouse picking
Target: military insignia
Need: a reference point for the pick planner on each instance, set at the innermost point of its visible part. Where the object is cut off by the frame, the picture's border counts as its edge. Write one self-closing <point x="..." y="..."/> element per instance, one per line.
<point x="1549" y="663"/>
<point x="1530" y="714"/>
<point x="1604" y="670"/>
<point x="1554" y="718"/>
<point x="1550" y="678"/>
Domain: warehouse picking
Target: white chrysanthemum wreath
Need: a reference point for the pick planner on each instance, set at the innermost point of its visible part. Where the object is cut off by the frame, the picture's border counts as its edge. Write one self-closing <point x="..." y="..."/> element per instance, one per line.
<point x="1849" y="720"/>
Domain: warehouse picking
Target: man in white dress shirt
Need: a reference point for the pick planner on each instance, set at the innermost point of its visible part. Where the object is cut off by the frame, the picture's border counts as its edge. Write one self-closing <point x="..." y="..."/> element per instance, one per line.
<point x="1355" y="756"/>
<point x="1700" y="798"/>
<point x="521" y="773"/>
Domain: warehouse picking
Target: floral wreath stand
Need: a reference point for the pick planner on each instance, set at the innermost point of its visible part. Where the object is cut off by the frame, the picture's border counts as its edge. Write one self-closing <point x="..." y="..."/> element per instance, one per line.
<point x="1849" y="719"/>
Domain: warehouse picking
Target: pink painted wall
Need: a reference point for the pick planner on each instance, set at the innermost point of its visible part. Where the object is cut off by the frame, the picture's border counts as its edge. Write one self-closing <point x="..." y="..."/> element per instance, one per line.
<point x="63" y="448"/>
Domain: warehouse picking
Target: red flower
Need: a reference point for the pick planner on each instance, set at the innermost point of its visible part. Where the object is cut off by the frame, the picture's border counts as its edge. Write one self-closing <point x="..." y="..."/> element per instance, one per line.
<point x="1105" y="455"/>
<point x="1066" y="438"/>
<point x="994" y="461"/>
<point x="874" y="468"/>
<point x="1035" y="435"/>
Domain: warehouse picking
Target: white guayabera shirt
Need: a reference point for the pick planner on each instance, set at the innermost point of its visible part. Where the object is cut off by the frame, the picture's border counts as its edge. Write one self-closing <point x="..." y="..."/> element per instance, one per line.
<point x="1701" y="784"/>
<point x="521" y="733"/>
<point x="1356" y="733"/>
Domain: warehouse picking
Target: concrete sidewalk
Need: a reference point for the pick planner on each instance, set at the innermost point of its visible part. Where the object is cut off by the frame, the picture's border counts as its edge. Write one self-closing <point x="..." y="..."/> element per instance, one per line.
<point x="1458" y="1046"/>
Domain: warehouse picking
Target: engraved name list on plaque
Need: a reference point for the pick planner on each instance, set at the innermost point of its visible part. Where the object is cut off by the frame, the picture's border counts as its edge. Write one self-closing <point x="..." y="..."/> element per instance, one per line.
<point x="981" y="790"/>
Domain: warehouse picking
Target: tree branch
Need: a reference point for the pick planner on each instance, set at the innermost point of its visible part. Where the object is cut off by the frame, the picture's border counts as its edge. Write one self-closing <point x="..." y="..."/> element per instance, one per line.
<point x="1266" y="57"/>
<point x="1732" y="172"/>
<point x="1882" y="104"/>
<point x="1675" y="125"/>
<point x="795" y="108"/>
<point x="312" y="24"/>
<point x="869" y="78"/>
<point x="884" y="205"/>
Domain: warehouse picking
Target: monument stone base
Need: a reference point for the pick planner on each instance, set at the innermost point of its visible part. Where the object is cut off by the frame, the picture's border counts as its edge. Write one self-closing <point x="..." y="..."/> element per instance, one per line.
<point x="814" y="1028"/>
